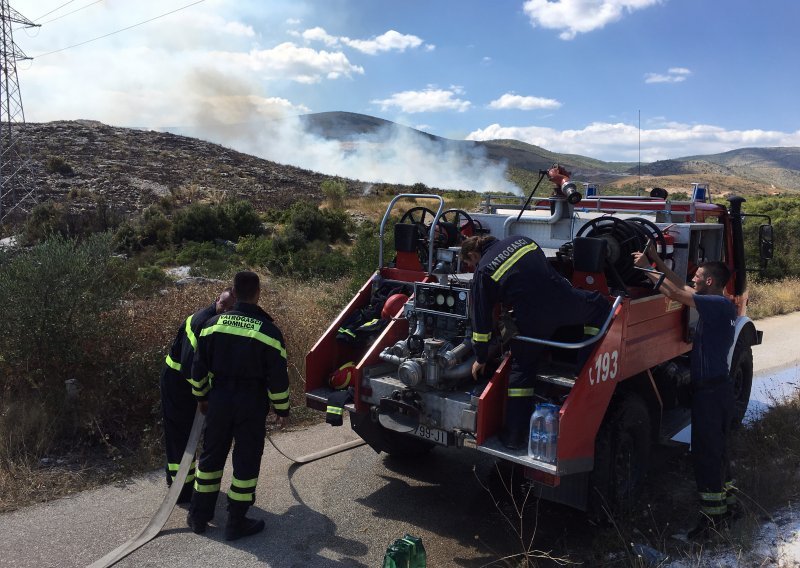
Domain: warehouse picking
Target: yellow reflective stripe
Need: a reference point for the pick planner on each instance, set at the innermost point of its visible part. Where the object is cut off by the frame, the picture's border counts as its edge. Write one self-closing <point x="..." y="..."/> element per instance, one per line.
<point x="209" y="474"/>
<point x="244" y="483"/>
<point x="498" y="274"/>
<point x="348" y="364"/>
<point x="240" y="496"/>
<point x="712" y="496"/>
<point x="335" y="410"/>
<point x="202" y="392"/>
<point x="481" y="337"/>
<point x="189" y="478"/>
<point x="520" y="392"/>
<point x="729" y="486"/>
<point x="172" y="363"/>
<point x="371" y="322"/>
<point x="199" y="384"/>
<point x="173" y="466"/>
<point x="206" y="488"/>
<point x="590" y="330"/>
<point x="281" y="405"/>
<point x="278" y="395"/>
<point x="346" y="331"/>
<point x="720" y="510"/>
<point x="190" y="334"/>
<point x="251" y="333"/>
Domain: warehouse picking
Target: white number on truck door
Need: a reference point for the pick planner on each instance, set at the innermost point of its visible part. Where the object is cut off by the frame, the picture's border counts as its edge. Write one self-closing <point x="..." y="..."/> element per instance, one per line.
<point x="605" y="367"/>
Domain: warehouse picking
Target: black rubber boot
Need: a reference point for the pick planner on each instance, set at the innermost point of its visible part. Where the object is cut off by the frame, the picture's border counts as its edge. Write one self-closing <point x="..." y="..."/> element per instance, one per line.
<point x="513" y="438"/>
<point x="708" y="526"/>
<point x="185" y="495"/>
<point x="242" y="526"/>
<point x="198" y="527"/>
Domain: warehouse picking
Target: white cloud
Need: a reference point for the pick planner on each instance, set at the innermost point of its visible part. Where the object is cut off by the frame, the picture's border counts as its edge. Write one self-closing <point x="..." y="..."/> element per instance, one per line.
<point x="512" y="101"/>
<point x="429" y="100"/>
<point x="294" y="22"/>
<point x="388" y="41"/>
<point x="319" y="34"/>
<point x="673" y="75"/>
<point x="619" y="141"/>
<point x="580" y="16"/>
<point x="301" y="64"/>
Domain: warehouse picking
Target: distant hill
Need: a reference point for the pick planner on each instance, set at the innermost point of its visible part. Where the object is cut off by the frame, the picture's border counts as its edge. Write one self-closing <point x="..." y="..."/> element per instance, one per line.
<point x="772" y="169"/>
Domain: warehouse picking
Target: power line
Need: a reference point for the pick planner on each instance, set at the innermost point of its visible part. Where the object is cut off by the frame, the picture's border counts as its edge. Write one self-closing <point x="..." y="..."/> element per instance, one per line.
<point x="54" y="10"/>
<point x="69" y="13"/>
<point x="120" y="30"/>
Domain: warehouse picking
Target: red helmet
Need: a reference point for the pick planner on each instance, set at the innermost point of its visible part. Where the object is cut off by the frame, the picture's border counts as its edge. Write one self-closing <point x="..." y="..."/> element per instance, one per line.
<point x="392" y="305"/>
<point x="340" y="379"/>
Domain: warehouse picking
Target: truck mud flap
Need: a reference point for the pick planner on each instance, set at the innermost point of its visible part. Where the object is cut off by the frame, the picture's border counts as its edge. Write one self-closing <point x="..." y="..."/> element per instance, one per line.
<point x="161" y="516"/>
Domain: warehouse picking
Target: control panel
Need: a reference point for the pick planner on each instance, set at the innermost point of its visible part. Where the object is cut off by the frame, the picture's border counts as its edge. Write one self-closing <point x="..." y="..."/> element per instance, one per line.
<point x="442" y="300"/>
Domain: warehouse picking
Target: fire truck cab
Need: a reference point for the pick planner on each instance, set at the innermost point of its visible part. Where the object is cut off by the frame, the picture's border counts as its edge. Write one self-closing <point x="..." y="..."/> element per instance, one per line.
<point x="412" y="388"/>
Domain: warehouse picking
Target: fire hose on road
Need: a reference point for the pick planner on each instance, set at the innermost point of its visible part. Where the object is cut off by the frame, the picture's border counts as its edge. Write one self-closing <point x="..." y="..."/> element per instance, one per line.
<point x="159" y="519"/>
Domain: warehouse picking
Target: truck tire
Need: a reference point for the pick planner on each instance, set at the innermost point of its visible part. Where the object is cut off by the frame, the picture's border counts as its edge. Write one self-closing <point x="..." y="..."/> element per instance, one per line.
<point x="622" y="450"/>
<point x="741" y="375"/>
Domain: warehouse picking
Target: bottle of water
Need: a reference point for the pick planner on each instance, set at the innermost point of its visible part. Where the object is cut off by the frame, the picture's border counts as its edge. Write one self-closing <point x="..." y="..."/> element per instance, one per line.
<point x="535" y="445"/>
<point x="550" y="435"/>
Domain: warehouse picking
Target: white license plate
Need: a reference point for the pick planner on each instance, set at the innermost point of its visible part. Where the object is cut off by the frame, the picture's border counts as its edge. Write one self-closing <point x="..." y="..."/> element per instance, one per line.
<point x="431" y="434"/>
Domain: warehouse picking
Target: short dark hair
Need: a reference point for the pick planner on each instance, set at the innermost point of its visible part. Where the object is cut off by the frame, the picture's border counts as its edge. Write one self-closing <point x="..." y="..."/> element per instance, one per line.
<point x="246" y="285"/>
<point x="718" y="271"/>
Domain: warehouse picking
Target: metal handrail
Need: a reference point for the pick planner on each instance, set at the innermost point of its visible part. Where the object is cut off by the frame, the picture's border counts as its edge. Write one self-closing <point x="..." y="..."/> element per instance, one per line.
<point x="583" y="343"/>
<point x="432" y="230"/>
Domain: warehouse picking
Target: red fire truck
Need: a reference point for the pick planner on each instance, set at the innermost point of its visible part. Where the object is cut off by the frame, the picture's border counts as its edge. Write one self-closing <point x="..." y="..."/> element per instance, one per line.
<point x="411" y="384"/>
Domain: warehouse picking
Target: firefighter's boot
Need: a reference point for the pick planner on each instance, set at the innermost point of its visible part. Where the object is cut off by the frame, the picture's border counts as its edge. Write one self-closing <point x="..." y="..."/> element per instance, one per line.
<point x="238" y="527"/>
<point x="198" y="527"/>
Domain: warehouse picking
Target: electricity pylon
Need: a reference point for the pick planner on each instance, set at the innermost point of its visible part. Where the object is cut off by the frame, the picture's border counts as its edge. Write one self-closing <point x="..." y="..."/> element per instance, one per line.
<point x="16" y="183"/>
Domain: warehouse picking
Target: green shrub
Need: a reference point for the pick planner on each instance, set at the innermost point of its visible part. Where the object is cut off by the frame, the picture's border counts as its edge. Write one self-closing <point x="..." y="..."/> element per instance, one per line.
<point x="197" y="222"/>
<point x="335" y="191"/>
<point x="256" y="251"/>
<point x="150" y="278"/>
<point x="207" y="259"/>
<point x="238" y="219"/>
<point x="46" y="220"/>
<point x="58" y="165"/>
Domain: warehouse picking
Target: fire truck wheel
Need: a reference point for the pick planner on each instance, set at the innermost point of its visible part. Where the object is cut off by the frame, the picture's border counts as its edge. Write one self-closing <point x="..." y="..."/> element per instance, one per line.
<point x="622" y="450"/>
<point x="742" y="377"/>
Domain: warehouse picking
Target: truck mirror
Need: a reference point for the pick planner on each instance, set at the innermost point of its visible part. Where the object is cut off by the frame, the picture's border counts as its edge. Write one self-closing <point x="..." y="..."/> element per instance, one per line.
<point x="765" y="243"/>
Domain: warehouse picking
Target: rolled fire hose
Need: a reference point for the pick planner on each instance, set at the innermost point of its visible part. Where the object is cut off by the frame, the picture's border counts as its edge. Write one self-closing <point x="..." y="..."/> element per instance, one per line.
<point x="161" y="516"/>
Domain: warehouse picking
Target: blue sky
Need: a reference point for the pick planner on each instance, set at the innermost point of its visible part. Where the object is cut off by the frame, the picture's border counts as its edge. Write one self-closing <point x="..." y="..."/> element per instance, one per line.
<point x="570" y="75"/>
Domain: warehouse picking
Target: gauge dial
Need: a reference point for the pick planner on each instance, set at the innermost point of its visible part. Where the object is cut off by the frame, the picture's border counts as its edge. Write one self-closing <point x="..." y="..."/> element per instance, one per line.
<point x="440" y="299"/>
<point x="451" y="301"/>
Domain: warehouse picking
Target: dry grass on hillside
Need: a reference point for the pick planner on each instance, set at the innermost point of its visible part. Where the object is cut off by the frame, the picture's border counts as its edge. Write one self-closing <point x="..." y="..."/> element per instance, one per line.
<point x="773" y="298"/>
<point x="718" y="184"/>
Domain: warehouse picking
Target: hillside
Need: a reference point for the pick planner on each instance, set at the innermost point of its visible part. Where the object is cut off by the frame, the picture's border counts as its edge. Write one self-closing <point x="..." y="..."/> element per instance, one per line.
<point x="132" y="168"/>
<point x="770" y="169"/>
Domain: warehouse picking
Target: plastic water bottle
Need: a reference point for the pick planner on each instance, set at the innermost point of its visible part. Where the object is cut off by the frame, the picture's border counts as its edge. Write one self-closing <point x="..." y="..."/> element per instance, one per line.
<point x="418" y="555"/>
<point x="535" y="445"/>
<point x="550" y="434"/>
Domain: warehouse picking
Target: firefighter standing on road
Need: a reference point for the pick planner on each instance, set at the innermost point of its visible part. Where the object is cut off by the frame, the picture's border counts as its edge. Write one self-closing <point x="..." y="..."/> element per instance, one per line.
<point x="239" y="367"/>
<point x="178" y="405"/>
<point x="515" y="272"/>
<point x="712" y="388"/>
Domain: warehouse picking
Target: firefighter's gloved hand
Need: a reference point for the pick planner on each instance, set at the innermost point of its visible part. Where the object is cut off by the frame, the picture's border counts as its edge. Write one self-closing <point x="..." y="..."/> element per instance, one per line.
<point x="202" y="405"/>
<point x="477" y="370"/>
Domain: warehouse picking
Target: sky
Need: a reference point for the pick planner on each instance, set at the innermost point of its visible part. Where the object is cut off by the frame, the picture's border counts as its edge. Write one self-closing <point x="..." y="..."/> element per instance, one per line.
<point x="616" y="80"/>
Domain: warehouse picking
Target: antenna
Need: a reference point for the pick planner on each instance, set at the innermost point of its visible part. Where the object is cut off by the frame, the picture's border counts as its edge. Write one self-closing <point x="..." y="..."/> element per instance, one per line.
<point x="15" y="186"/>
<point x="639" y="187"/>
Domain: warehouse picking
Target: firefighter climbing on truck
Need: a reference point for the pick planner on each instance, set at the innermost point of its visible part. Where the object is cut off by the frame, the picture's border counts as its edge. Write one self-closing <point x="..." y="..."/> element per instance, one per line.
<point x="514" y="271"/>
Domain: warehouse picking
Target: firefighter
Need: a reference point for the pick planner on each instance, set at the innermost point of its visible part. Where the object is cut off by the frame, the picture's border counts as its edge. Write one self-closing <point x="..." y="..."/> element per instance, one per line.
<point x="712" y="388"/>
<point x="515" y="272"/>
<point x="239" y="368"/>
<point x="178" y="405"/>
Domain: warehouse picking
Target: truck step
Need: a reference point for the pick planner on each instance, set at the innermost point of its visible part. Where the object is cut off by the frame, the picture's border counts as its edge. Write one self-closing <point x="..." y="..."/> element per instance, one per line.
<point x="493" y="447"/>
<point x="318" y="399"/>
<point x="561" y="375"/>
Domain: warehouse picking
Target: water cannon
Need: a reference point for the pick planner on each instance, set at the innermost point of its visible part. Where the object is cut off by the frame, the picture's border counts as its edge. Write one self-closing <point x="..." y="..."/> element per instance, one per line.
<point x="564" y="187"/>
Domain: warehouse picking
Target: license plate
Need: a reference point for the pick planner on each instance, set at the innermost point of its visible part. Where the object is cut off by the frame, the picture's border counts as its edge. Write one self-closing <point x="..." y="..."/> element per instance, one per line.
<point x="431" y="434"/>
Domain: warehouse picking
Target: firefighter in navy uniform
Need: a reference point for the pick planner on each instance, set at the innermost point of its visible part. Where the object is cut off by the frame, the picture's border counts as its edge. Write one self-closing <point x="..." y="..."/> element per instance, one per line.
<point x="239" y="368"/>
<point x="178" y="405"/>
<point x="712" y="387"/>
<point x="515" y="272"/>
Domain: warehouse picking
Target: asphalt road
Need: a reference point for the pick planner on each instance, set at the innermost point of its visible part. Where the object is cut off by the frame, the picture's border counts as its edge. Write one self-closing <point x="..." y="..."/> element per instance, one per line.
<point x="340" y="511"/>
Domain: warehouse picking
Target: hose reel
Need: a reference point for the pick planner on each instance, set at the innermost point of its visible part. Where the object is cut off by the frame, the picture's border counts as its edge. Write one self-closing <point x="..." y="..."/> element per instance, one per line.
<point x="623" y="237"/>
